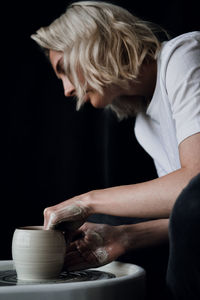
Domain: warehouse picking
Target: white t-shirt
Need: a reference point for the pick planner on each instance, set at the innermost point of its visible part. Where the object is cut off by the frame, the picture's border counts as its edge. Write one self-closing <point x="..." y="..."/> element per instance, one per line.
<point x="174" y="111"/>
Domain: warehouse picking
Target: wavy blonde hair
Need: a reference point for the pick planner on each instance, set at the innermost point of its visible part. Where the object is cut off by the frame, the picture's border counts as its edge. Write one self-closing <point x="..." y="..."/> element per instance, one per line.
<point x="104" y="42"/>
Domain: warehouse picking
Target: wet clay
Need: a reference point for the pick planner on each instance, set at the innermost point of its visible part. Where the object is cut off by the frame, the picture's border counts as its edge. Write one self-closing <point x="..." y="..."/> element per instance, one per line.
<point x="66" y="214"/>
<point x="101" y="255"/>
<point x="97" y="240"/>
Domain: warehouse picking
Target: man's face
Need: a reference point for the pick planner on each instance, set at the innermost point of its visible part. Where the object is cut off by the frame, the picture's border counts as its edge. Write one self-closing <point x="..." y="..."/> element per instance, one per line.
<point x="94" y="97"/>
<point x="110" y="93"/>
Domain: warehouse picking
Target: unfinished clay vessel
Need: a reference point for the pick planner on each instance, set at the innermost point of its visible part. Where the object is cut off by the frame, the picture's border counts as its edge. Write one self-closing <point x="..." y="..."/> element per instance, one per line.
<point x="38" y="254"/>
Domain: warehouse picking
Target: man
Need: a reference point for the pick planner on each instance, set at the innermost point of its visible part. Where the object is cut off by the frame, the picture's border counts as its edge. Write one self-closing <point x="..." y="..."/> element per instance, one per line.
<point x="108" y="57"/>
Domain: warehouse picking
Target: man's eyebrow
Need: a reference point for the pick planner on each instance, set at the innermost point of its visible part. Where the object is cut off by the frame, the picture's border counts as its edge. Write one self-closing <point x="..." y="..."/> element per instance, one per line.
<point x="60" y="66"/>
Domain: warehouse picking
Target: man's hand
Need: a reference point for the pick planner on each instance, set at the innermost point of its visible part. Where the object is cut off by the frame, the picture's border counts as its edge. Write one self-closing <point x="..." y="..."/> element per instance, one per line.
<point x="95" y="245"/>
<point x="68" y="215"/>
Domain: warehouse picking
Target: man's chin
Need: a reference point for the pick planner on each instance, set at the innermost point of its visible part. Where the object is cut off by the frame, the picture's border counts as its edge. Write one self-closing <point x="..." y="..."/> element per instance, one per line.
<point x="97" y="104"/>
<point x="128" y="106"/>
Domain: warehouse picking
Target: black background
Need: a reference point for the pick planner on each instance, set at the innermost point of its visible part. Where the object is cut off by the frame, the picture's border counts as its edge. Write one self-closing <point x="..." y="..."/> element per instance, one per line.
<point x="52" y="152"/>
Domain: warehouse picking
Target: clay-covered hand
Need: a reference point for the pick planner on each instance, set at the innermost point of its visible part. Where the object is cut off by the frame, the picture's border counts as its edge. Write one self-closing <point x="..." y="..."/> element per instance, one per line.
<point x="95" y="245"/>
<point x="67" y="216"/>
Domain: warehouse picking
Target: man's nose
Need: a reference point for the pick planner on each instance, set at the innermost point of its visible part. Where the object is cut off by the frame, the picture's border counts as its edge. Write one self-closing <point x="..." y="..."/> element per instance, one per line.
<point x="69" y="89"/>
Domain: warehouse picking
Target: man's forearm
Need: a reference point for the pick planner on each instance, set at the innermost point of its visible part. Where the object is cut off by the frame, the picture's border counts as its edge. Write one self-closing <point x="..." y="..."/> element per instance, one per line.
<point x="151" y="199"/>
<point x="144" y="234"/>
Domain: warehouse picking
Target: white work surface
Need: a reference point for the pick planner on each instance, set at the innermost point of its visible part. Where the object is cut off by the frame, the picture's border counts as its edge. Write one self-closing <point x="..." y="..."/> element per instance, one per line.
<point x="129" y="283"/>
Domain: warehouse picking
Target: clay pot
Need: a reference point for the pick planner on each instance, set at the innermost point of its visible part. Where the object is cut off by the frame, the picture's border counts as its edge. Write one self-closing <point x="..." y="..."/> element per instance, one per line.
<point x="38" y="254"/>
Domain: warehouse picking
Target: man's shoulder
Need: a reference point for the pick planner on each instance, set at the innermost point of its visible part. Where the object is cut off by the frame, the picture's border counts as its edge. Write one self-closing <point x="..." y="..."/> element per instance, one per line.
<point x="180" y="41"/>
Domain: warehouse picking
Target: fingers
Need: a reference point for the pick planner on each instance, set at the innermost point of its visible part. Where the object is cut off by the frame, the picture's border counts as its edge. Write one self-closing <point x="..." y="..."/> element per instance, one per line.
<point x="77" y="265"/>
<point x="49" y="217"/>
<point x="68" y="215"/>
<point x="92" y="247"/>
<point x="79" y="259"/>
<point x="74" y="261"/>
<point x="80" y="254"/>
<point x="73" y="235"/>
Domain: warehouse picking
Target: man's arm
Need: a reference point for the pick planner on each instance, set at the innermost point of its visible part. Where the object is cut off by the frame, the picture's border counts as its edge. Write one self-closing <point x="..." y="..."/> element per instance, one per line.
<point x="151" y="199"/>
<point x="154" y="198"/>
<point x="99" y="244"/>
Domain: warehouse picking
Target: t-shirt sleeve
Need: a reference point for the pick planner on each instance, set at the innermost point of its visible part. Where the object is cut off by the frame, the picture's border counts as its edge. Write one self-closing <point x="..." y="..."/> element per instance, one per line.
<point x="183" y="87"/>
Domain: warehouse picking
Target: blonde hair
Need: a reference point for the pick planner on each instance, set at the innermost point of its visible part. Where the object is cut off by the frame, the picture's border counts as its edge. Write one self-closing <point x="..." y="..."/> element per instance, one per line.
<point x="103" y="41"/>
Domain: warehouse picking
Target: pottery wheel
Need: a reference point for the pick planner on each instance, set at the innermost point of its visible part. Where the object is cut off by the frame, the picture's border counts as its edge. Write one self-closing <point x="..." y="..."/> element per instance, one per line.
<point x="9" y="277"/>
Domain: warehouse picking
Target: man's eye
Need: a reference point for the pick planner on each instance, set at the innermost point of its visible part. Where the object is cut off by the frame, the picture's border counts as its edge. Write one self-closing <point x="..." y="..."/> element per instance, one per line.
<point x="60" y="69"/>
